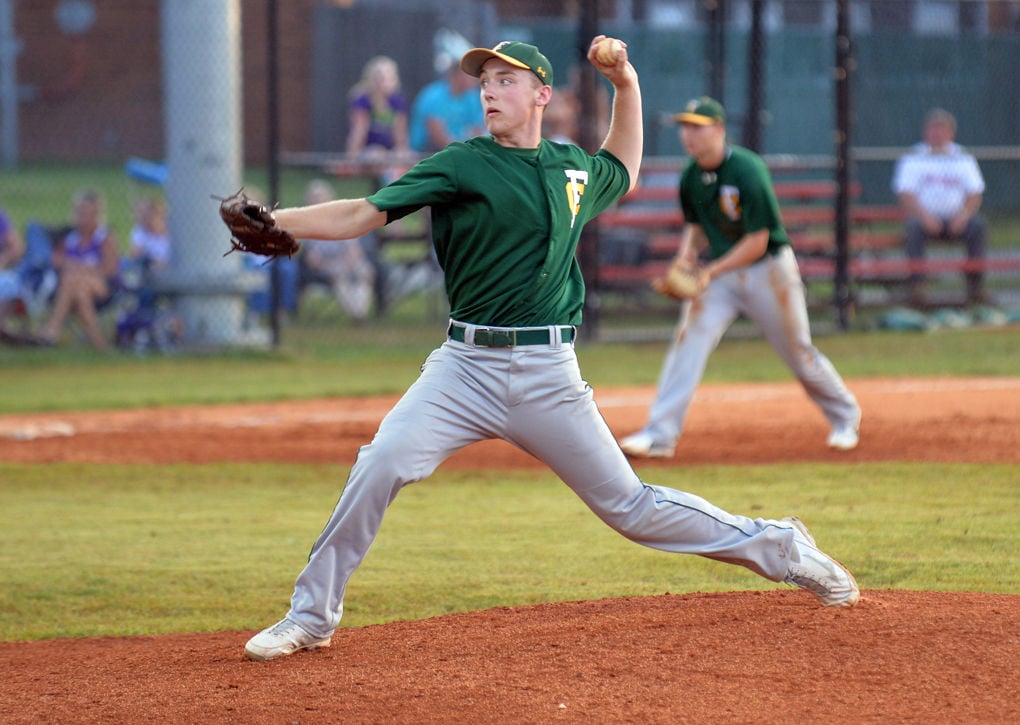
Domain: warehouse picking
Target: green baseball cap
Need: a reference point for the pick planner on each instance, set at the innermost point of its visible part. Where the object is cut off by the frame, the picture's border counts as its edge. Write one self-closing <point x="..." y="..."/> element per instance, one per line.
<point x="703" y="111"/>
<point x="513" y="52"/>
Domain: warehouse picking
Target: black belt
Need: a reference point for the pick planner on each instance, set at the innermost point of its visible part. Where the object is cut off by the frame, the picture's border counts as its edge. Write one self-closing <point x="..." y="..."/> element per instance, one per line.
<point x="484" y="337"/>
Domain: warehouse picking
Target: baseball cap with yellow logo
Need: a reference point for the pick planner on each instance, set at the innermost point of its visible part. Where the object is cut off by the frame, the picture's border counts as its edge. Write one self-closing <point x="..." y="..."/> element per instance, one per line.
<point x="703" y="111"/>
<point x="513" y="52"/>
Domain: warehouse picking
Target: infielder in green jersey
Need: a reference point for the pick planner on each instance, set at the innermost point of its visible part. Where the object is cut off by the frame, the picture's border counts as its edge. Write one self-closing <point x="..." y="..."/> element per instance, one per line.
<point x="731" y="215"/>
<point x="507" y="210"/>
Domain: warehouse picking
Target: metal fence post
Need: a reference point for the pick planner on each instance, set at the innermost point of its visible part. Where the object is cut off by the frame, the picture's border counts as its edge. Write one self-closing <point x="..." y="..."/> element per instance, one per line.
<point x="844" y="65"/>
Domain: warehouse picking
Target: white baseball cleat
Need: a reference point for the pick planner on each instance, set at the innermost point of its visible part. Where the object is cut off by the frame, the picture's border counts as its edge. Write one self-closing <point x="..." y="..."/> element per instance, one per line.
<point x="845" y="437"/>
<point x="820" y="574"/>
<point x="642" y="445"/>
<point x="283" y="638"/>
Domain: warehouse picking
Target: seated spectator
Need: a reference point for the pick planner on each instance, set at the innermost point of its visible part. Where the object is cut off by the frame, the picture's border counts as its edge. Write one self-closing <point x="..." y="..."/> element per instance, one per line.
<point x="12" y="248"/>
<point x="378" y="110"/>
<point x="149" y="250"/>
<point x="149" y="253"/>
<point x="150" y="239"/>
<point x="343" y="265"/>
<point x="940" y="188"/>
<point x="87" y="261"/>
<point x="448" y="109"/>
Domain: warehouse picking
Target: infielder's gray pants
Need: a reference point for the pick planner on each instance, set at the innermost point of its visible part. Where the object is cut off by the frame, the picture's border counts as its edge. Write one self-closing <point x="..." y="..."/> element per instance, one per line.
<point x="770" y="293"/>
<point x="534" y="397"/>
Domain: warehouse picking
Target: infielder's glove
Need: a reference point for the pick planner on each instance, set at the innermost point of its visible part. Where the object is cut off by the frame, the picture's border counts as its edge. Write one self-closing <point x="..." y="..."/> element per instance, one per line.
<point x="253" y="228"/>
<point x="682" y="281"/>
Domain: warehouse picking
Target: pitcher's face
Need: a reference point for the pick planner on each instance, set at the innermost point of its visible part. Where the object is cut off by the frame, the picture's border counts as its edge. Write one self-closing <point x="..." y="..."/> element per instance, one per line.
<point x="511" y="96"/>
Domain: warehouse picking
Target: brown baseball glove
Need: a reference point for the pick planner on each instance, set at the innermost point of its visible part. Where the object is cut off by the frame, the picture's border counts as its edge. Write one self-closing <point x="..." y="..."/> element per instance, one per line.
<point x="681" y="282"/>
<point x="253" y="228"/>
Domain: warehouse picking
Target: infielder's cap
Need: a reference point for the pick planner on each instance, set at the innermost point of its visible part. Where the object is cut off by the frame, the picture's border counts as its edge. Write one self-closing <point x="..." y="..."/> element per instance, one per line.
<point x="703" y="111"/>
<point x="513" y="52"/>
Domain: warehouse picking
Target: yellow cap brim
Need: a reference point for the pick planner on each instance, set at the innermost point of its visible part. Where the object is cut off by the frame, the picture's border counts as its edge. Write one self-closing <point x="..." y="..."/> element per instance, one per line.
<point x="695" y="119"/>
<point x="472" y="61"/>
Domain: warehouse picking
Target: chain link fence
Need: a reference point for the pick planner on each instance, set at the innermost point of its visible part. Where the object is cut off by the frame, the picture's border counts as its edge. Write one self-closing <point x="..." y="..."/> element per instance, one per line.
<point x="176" y="100"/>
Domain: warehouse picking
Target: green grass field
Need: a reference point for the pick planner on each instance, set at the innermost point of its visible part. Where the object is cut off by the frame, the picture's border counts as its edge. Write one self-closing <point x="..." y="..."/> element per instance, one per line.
<point x="116" y="550"/>
<point x="127" y="549"/>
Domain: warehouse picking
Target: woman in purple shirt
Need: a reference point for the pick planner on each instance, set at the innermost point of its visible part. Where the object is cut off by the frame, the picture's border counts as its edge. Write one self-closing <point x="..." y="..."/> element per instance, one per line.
<point x="88" y="262"/>
<point x="378" y="110"/>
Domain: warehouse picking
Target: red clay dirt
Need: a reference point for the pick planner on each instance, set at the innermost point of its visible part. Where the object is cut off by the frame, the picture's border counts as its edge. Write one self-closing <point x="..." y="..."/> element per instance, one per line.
<point x="733" y="657"/>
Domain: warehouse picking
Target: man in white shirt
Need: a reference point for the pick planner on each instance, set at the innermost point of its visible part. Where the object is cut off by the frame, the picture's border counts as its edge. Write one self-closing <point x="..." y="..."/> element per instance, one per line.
<point x="940" y="187"/>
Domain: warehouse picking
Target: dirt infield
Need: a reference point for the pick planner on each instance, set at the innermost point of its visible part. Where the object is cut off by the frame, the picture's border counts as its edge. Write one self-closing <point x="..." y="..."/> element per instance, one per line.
<point x="733" y="657"/>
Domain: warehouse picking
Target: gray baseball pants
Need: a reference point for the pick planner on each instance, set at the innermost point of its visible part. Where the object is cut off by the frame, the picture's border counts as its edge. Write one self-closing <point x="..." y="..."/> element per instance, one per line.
<point x="533" y="397"/>
<point x="770" y="293"/>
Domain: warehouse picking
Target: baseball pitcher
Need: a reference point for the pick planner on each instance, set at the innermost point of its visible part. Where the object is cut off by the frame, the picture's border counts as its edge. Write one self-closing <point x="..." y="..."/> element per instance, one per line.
<point x="507" y="212"/>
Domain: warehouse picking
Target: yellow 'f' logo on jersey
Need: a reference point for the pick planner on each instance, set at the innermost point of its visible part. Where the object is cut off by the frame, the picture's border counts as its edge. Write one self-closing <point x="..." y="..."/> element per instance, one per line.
<point x="729" y="202"/>
<point x="576" y="180"/>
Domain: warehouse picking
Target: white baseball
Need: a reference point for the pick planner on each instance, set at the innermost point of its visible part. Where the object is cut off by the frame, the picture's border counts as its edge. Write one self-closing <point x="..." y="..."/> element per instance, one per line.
<point x="607" y="52"/>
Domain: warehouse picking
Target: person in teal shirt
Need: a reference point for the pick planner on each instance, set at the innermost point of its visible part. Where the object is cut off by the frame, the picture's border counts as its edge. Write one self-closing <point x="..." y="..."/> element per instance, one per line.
<point x="445" y="110"/>
<point x="507" y="211"/>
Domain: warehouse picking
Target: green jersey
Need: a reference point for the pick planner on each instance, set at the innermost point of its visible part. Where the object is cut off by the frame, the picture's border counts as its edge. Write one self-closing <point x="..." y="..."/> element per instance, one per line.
<point x="733" y="200"/>
<point x="506" y="223"/>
